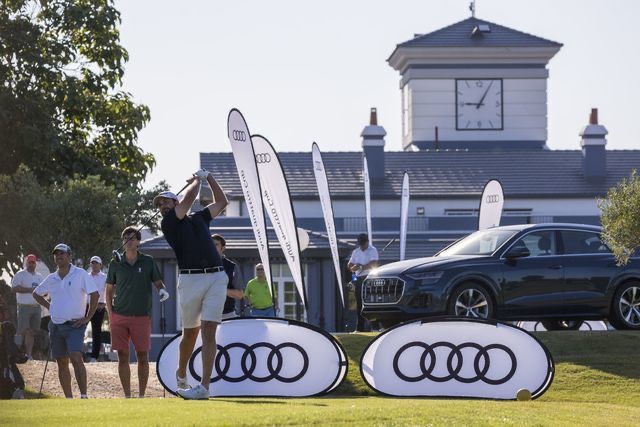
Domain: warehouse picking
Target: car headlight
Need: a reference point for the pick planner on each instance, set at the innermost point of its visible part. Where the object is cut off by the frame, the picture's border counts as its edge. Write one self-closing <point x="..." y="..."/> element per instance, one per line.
<point x="427" y="276"/>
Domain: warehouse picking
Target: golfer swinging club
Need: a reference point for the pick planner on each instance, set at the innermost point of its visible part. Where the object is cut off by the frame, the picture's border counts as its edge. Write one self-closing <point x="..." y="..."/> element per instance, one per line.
<point x="202" y="282"/>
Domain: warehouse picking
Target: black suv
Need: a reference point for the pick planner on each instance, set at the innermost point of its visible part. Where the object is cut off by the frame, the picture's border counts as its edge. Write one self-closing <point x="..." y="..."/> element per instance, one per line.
<point x="559" y="274"/>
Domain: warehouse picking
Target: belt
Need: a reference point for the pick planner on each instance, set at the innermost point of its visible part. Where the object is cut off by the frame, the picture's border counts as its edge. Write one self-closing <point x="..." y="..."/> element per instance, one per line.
<point x="201" y="270"/>
<point x="68" y="322"/>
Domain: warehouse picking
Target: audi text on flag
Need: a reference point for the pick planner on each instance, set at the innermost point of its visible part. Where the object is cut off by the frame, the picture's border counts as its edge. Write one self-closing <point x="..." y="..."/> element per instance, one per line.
<point x="327" y="210"/>
<point x="490" y="205"/>
<point x="242" y="148"/>
<point x="277" y="202"/>
<point x="404" y="213"/>
<point x="367" y="198"/>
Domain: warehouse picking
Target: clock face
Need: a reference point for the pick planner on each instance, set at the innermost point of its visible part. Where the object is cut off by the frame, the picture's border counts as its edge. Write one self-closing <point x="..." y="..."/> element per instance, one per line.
<point x="479" y="104"/>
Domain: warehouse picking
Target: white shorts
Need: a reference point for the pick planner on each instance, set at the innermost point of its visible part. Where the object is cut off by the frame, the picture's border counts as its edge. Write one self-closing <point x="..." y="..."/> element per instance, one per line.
<point x="202" y="297"/>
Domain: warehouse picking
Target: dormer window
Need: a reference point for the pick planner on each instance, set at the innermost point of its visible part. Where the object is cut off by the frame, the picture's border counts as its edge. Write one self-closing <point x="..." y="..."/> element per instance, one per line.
<point x="479" y="30"/>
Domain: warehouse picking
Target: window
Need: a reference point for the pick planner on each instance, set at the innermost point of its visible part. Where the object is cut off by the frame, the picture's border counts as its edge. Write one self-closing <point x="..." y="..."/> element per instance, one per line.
<point x="289" y="302"/>
<point x="539" y="243"/>
<point x="483" y="242"/>
<point x="583" y="242"/>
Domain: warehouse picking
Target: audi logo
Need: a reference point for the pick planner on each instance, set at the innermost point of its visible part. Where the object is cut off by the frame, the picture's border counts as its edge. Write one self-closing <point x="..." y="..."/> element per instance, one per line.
<point x="248" y="363"/>
<point x="239" y="135"/>
<point x="263" y="158"/>
<point x="455" y="362"/>
<point x="492" y="198"/>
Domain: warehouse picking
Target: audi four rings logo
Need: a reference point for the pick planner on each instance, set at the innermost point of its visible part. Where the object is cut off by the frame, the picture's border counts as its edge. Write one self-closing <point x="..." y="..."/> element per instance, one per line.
<point x="263" y="158"/>
<point x="454" y="363"/>
<point x="239" y="135"/>
<point x="249" y="360"/>
<point x="492" y="198"/>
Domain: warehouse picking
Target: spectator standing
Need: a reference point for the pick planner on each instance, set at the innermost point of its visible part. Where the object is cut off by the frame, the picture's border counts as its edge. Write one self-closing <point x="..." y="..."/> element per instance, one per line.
<point x="230" y="268"/>
<point x="23" y="284"/>
<point x="202" y="282"/>
<point x="259" y="295"/>
<point x="130" y="309"/>
<point x="363" y="258"/>
<point x="68" y="289"/>
<point x="99" y="279"/>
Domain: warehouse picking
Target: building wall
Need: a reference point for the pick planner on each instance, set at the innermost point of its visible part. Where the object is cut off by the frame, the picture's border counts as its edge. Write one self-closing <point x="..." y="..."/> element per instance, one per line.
<point x="431" y="102"/>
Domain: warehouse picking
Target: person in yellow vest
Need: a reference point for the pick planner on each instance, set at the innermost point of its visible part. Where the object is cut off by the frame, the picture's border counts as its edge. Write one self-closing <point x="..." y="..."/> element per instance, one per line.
<point x="258" y="294"/>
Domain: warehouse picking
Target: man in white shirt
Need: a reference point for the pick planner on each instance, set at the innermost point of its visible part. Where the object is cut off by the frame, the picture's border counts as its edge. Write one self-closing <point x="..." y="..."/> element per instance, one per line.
<point x="363" y="259"/>
<point x="68" y="289"/>
<point x="99" y="279"/>
<point x="23" y="284"/>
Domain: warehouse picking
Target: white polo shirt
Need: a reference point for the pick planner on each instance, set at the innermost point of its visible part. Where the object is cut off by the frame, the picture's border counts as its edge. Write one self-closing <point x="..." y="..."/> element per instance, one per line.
<point x="100" y="280"/>
<point x="28" y="280"/>
<point x="68" y="295"/>
<point x="363" y="258"/>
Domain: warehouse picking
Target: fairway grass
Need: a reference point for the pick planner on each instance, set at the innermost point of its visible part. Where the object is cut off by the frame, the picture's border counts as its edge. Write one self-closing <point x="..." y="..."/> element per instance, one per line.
<point x="597" y="382"/>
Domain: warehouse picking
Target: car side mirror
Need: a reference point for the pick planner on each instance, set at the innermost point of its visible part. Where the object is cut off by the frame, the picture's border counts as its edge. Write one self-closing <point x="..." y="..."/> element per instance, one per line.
<point x="518" y="252"/>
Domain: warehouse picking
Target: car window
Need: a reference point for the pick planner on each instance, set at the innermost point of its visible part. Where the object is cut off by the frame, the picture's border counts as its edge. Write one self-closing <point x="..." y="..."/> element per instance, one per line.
<point x="539" y="243"/>
<point x="483" y="242"/>
<point x="583" y="242"/>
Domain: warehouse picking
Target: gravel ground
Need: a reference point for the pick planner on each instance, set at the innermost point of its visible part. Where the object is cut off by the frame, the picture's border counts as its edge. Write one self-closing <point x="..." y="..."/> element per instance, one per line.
<point x="102" y="379"/>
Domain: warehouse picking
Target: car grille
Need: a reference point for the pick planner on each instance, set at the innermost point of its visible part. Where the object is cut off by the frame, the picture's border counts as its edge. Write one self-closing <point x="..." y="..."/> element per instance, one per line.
<point x="382" y="290"/>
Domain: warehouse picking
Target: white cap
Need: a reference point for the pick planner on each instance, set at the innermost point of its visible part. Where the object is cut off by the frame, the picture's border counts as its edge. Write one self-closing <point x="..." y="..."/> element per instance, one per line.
<point x="96" y="258"/>
<point x="61" y="247"/>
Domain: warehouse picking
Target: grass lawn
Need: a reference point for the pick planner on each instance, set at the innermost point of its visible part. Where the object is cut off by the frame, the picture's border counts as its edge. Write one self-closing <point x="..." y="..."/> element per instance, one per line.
<point x="597" y="382"/>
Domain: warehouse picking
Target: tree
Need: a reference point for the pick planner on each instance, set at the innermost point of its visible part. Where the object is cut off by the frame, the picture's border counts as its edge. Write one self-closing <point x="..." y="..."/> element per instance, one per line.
<point x="621" y="218"/>
<point x="85" y="213"/>
<point x="61" y="111"/>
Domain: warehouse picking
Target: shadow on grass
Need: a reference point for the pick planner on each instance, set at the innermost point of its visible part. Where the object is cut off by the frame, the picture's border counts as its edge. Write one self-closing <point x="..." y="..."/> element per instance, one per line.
<point x="259" y="400"/>
<point x="614" y="352"/>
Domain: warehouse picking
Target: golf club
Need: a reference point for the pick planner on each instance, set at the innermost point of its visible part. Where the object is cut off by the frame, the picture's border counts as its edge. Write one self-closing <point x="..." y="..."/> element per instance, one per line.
<point x="116" y="253"/>
<point x="163" y="326"/>
<point x="389" y="244"/>
<point x="45" y="371"/>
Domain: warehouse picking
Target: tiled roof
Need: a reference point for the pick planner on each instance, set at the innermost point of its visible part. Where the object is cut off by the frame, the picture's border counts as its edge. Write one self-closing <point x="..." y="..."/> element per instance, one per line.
<point x="442" y="173"/>
<point x="459" y="35"/>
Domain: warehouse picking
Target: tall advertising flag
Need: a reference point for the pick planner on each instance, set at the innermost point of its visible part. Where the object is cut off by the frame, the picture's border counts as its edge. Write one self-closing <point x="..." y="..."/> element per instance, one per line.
<point x="277" y="202"/>
<point x="367" y="197"/>
<point x="243" y="155"/>
<point x="491" y="205"/>
<point x="404" y="214"/>
<point x="327" y="211"/>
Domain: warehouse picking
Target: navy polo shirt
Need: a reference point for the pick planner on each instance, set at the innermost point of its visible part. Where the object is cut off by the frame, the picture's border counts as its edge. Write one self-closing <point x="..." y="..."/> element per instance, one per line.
<point x="229" y="268"/>
<point x="190" y="239"/>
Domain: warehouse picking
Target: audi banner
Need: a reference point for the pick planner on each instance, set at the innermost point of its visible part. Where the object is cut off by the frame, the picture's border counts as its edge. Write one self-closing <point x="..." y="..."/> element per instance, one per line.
<point x="277" y="202"/>
<point x="454" y="357"/>
<point x="243" y="155"/>
<point x="327" y="210"/>
<point x="587" y="325"/>
<point x="367" y="198"/>
<point x="262" y="357"/>
<point x="404" y="213"/>
<point x="490" y="205"/>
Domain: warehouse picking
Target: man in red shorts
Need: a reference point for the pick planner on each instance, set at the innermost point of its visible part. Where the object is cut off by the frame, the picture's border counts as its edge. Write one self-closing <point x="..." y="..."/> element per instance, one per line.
<point x="130" y="309"/>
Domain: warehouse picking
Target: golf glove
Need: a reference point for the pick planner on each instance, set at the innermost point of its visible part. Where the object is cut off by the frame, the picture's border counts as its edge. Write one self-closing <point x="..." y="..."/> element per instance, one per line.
<point x="164" y="295"/>
<point x="202" y="174"/>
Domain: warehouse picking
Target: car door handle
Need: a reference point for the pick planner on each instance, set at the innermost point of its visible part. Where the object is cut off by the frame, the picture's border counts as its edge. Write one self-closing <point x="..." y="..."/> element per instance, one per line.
<point x="556" y="266"/>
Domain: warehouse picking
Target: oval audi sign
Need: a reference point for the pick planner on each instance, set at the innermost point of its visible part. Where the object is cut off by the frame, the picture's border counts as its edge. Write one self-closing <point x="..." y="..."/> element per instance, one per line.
<point x="262" y="357"/>
<point x="453" y="357"/>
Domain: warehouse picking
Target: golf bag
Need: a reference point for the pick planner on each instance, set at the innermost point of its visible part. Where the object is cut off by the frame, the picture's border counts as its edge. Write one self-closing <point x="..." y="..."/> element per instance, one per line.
<point x="10" y="356"/>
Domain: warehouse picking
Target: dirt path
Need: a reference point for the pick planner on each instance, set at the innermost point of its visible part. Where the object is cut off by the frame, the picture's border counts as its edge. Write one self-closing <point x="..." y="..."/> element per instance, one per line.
<point x="103" y="380"/>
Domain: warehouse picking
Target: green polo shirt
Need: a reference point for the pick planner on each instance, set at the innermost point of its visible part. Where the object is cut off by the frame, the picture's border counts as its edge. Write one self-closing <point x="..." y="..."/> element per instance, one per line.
<point x="133" y="285"/>
<point x="258" y="293"/>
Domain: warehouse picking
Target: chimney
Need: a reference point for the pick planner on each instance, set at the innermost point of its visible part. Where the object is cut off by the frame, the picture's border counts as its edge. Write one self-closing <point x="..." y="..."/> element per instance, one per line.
<point x="373" y="148"/>
<point x="594" y="154"/>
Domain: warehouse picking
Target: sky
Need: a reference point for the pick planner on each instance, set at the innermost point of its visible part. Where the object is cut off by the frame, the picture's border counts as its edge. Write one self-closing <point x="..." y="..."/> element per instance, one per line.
<point x="303" y="71"/>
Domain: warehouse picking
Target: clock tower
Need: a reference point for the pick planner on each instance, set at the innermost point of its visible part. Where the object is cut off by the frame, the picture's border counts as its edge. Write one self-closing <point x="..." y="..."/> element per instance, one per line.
<point x="474" y="85"/>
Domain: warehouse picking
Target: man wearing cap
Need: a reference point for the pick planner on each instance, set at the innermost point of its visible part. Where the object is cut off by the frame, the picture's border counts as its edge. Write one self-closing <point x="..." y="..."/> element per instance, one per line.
<point x="233" y="294"/>
<point x="99" y="279"/>
<point x="130" y="309"/>
<point x="68" y="289"/>
<point x="363" y="259"/>
<point x="23" y="284"/>
<point x="202" y="282"/>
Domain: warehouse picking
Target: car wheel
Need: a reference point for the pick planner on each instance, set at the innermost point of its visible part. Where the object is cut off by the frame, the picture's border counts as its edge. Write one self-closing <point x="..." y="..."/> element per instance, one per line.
<point x="471" y="300"/>
<point x="625" y="309"/>
<point x="562" y="325"/>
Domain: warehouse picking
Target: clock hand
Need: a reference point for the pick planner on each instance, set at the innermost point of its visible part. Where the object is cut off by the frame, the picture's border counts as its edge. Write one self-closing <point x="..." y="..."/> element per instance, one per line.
<point x="483" y="96"/>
